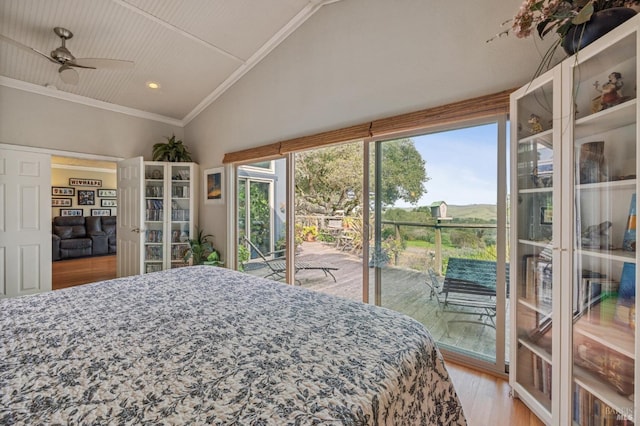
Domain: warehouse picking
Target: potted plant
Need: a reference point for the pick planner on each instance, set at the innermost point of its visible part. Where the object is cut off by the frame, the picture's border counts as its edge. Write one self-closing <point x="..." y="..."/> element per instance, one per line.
<point x="199" y="248"/>
<point x="243" y="256"/>
<point x="173" y="150"/>
<point x="214" y="259"/>
<point x="310" y="232"/>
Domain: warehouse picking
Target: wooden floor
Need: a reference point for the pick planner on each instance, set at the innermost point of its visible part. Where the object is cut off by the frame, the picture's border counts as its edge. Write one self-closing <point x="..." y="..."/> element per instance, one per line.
<point x="485" y="398"/>
<point x="71" y="272"/>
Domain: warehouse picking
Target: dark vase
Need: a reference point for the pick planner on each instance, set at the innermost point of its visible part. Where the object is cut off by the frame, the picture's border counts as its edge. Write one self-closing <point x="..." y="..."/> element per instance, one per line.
<point x="600" y="23"/>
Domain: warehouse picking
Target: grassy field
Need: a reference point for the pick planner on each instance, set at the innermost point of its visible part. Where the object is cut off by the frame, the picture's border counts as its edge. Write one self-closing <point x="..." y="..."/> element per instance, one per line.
<point x="486" y="212"/>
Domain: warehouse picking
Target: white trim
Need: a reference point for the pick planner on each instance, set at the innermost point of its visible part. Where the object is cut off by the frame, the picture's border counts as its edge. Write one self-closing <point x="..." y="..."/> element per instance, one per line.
<point x="59" y="94"/>
<point x="59" y="152"/>
<point x="302" y="16"/>
<point x="83" y="168"/>
<point x="231" y="247"/>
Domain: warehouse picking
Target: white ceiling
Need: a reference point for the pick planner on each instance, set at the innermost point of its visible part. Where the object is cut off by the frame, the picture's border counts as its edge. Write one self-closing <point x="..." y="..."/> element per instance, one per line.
<point x="195" y="49"/>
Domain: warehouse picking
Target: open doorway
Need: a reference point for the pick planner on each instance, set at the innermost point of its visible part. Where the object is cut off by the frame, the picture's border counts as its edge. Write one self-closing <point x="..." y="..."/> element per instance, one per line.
<point x="83" y="215"/>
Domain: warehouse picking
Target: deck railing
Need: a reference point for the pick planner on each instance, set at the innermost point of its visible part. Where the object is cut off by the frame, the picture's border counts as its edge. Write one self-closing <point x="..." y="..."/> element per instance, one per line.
<point x="322" y="223"/>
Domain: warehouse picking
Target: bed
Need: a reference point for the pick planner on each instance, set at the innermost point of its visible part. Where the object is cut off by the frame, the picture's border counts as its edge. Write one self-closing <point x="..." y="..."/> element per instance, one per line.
<point x="206" y="345"/>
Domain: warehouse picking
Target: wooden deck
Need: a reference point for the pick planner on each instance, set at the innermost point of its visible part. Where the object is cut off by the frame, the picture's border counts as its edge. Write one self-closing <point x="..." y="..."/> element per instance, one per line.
<point x="403" y="290"/>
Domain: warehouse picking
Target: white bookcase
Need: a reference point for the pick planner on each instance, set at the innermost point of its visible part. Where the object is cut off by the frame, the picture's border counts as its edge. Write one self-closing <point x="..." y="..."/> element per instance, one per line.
<point x="574" y="342"/>
<point x="169" y="204"/>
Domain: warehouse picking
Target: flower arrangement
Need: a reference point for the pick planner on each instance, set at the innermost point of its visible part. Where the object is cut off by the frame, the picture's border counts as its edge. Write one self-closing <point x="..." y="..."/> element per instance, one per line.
<point x="561" y="15"/>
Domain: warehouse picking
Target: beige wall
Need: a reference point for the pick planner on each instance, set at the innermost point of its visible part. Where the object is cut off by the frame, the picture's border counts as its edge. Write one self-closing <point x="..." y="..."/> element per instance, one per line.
<point x="41" y="121"/>
<point x="60" y="178"/>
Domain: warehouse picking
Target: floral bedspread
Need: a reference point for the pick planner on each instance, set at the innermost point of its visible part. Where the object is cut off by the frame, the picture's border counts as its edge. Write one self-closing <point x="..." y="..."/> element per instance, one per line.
<point x="208" y="345"/>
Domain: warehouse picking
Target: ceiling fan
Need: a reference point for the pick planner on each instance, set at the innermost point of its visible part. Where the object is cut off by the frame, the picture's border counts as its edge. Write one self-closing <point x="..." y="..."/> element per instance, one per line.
<point x="63" y="57"/>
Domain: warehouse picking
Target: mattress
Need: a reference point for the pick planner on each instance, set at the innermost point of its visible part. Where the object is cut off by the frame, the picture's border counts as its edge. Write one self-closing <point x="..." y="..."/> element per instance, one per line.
<point x="206" y="345"/>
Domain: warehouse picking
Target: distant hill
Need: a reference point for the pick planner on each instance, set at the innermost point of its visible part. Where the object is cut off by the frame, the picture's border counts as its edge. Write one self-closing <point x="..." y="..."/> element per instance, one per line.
<point x="476" y="211"/>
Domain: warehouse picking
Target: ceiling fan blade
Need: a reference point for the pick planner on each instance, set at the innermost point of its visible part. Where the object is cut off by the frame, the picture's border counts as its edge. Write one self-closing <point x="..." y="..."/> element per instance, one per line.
<point x="68" y="75"/>
<point x="114" y="64"/>
<point x="27" y="48"/>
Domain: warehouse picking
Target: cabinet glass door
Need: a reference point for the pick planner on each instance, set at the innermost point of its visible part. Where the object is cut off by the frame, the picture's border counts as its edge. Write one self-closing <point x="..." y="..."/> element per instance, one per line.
<point x="604" y="257"/>
<point x="535" y="180"/>
<point x="180" y="225"/>
<point x="154" y="231"/>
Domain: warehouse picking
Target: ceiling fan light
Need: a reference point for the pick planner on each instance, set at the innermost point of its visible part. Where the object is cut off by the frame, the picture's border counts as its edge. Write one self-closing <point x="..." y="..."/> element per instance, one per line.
<point x="68" y="75"/>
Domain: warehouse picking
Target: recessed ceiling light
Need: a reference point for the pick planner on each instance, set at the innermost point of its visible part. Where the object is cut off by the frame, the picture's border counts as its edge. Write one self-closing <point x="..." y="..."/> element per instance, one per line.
<point x="153" y="85"/>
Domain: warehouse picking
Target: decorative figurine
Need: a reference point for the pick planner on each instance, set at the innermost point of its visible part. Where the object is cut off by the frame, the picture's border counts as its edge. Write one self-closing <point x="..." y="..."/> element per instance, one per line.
<point x="597" y="236"/>
<point x="534" y="124"/>
<point x="610" y="93"/>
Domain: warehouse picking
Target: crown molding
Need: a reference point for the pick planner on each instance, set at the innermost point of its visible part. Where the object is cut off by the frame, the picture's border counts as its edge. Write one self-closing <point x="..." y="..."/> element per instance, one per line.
<point x="59" y="94"/>
<point x="83" y="168"/>
<point x="59" y="152"/>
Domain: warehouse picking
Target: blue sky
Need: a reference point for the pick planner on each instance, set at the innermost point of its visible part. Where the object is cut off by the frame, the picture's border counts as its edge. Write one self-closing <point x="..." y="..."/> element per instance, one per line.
<point x="462" y="165"/>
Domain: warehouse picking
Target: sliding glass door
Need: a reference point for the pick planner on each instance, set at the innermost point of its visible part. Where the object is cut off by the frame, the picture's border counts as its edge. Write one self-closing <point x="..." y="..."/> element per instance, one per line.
<point x="437" y="244"/>
<point x="261" y="214"/>
<point x="391" y="223"/>
<point x="328" y="231"/>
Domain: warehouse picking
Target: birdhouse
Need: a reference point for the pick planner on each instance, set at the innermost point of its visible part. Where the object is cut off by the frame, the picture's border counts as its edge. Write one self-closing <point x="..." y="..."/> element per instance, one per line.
<point x="438" y="209"/>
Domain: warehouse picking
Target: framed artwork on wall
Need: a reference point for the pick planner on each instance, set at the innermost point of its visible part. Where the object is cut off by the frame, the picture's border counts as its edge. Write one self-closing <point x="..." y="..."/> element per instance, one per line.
<point x="86" y="197"/>
<point x="213" y="186"/>
<point x="70" y="212"/>
<point x="100" y="212"/>
<point x="62" y="191"/>
<point x="107" y="202"/>
<point x="107" y="193"/>
<point x="61" y="202"/>
<point x="546" y="216"/>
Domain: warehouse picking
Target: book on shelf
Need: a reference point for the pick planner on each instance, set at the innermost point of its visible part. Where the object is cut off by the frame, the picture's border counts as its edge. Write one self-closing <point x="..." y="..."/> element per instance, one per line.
<point x="588" y="410"/>
<point x="538" y="281"/>
<point x="541" y="374"/>
<point x="613" y="368"/>
<point x="626" y="302"/>
<point x="629" y="238"/>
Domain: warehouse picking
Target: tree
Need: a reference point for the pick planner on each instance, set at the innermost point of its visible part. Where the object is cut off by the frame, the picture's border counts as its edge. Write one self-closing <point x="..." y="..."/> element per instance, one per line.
<point x="330" y="179"/>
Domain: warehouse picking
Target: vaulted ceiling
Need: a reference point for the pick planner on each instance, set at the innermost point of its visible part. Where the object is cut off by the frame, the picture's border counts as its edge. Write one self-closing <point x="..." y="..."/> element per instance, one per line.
<point x="194" y="50"/>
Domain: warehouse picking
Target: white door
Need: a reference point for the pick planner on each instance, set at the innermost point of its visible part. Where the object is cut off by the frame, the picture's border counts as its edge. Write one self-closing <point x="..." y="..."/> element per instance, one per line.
<point x="130" y="219"/>
<point x="25" y="223"/>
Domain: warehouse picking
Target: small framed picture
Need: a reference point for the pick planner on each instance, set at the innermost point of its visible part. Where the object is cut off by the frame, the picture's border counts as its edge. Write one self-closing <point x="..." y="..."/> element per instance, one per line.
<point x="84" y="182"/>
<point x="62" y="191"/>
<point x="70" y="212"/>
<point x="107" y="193"/>
<point x="546" y="216"/>
<point x="100" y="212"/>
<point x="86" y="197"/>
<point x="108" y="202"/>
<point x="61" y="202"/>
<point x="214" y="186"/>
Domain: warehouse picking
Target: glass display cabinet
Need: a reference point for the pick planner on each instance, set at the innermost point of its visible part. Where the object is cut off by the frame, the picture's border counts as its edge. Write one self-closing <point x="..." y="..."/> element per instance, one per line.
<point x="573" y="237"/>
<point x="170" y="209"/>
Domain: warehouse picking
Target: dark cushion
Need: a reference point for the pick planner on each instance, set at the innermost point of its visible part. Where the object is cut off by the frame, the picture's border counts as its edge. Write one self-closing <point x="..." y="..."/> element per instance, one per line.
<point x="75" y="243"/>
<point x="109" y="224"/>
<point x="69" y="227"/>
<point x="93" y="224"/>
<point x="68" y="220"/>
